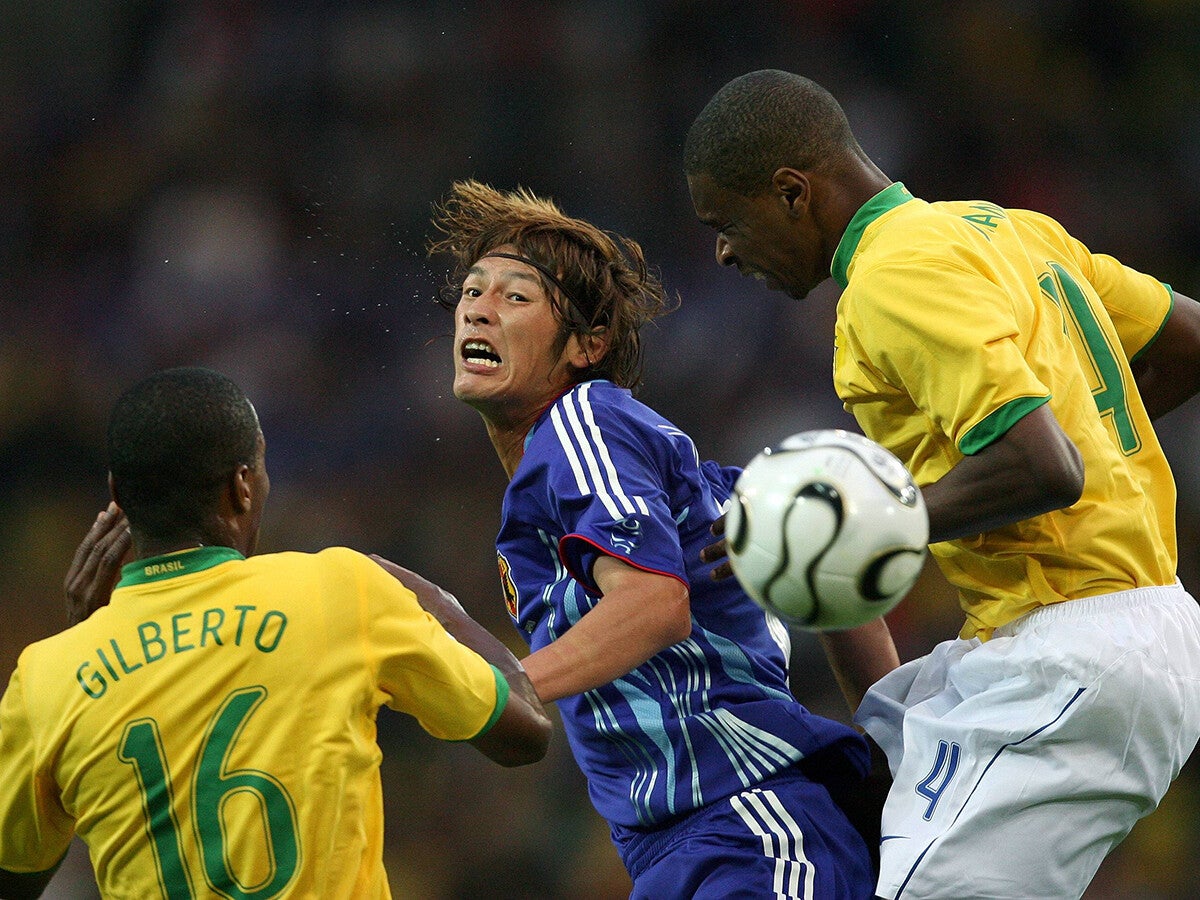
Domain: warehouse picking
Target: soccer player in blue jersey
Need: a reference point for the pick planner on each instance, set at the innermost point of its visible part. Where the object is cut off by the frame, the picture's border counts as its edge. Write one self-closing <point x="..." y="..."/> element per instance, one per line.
<point x="1017" y="375"/>
<point x="673" y="686"/>
<point x="211" y="730"/>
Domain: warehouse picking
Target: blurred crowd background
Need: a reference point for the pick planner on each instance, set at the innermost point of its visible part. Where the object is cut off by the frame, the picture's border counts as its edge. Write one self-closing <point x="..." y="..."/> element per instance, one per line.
<point x="247" y="185"/>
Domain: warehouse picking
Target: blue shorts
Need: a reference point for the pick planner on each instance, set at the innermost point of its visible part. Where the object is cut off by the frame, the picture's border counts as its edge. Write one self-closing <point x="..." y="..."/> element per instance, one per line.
<point x="782" y="838"/>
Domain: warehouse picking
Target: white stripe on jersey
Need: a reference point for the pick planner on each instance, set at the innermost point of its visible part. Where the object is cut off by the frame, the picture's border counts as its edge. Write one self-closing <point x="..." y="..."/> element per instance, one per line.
<point x="577" y="465"/>
<point x="591" y="463"/>
<point x="782" y="841"/>
<point x="593" y="467"/>
<point x="602" y="451"/>
<point x="569" y="451"/>
<point x="753" y="752"/>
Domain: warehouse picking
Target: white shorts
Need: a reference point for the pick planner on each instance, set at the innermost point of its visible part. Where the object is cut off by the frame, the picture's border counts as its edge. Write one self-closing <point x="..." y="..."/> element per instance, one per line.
<point x="1019" y="762"/>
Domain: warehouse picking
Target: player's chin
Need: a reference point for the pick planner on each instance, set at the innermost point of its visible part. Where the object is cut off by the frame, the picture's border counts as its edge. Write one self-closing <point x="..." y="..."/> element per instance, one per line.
<point x="473" y="386"/>
<point x="793" y="290"/>
<point x="774" y="283"/>
<point x="463" y="387"/>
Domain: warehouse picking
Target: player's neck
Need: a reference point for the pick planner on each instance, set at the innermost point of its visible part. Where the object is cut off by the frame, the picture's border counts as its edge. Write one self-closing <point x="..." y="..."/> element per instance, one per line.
<point x="216" y="534"/>
<point x="145" y="549"/>
<point x="509" y="442"/>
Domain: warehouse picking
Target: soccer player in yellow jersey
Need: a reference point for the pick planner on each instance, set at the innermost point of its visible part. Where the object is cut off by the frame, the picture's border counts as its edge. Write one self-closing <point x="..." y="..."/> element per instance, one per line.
<point x="1017" y="374"/>
<point x="211" y="730"/>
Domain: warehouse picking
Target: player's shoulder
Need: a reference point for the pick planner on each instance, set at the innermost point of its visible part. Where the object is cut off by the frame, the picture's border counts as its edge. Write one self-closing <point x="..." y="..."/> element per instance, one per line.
<point x="297" y="563"/>
<point x="597" y="394"/>
<point x="589" y="409"/>
<point x="984" y="216"/>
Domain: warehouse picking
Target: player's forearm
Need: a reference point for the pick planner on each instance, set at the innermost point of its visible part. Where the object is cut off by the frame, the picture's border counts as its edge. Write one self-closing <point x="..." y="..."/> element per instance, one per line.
<point x="522" y="734"/>
<point x="859" y="657"/>
<point x="573" y="665"/>
<point x="621" y="632"/>
<point x="523" y="731"/>
<point x="444" y="607"/>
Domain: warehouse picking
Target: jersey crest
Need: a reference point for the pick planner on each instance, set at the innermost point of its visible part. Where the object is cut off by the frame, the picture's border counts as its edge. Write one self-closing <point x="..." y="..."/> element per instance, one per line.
<point x="507" y="585"/>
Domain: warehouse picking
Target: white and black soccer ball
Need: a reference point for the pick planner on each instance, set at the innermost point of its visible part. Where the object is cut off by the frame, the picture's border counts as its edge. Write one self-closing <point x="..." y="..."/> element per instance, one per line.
<point x="827" y="531"/>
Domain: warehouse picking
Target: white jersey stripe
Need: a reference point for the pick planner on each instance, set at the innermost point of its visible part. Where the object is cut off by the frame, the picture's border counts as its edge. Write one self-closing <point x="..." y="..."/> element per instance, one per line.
<point x="564" y="441"/>
<point x="614" y="479"/>
<point x="593" y="468"/>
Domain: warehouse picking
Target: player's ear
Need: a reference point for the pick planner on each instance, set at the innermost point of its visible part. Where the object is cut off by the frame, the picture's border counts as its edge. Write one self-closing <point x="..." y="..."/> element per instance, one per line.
<point x="589" y="349"/>
<point x="793" y="187"/>
<point x="241" y="489"/>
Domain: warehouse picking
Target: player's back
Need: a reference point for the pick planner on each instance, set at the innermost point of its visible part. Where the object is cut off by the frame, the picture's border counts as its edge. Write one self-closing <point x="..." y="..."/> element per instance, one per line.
<point x="957" y="319"/>
<point x="215" y="725"/>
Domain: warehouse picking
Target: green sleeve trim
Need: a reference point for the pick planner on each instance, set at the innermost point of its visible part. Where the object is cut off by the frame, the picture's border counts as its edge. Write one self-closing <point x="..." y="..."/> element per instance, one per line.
<point x="1161" y="325"/>
<point x="502" y="692"/>
<point x="996" y="425"/>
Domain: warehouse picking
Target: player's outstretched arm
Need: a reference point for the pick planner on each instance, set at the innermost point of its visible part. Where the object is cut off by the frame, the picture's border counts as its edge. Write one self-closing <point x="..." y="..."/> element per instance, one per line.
<point x="640" y="614"/>
<point x="96" y="566"/>
<point x="1168" y="373"/>
<point x="522" y="733"/>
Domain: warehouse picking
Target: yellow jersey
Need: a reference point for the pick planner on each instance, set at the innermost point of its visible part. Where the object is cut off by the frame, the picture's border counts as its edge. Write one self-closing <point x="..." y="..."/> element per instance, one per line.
<point x="958" y="318"/>
<point x="212" y="730"/>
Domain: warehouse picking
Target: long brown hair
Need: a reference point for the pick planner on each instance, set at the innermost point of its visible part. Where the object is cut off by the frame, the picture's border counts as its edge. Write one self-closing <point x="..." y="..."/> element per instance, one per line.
<point x="598" y="281"/>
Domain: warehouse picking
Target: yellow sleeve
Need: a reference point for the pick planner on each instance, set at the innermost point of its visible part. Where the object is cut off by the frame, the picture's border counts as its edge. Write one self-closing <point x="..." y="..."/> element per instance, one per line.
<point x="35" y="830"/>
<point x="1138" y="304"/>
<point x="452" y="691"/>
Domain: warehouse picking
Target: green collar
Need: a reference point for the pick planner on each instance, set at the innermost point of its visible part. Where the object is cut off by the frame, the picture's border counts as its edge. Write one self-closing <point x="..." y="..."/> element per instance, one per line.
<point x="889" y="198"/>
<point x="182" y="562"/>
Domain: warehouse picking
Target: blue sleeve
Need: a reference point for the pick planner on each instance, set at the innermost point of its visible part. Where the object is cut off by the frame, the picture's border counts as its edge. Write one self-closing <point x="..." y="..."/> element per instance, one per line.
<point x="610" y="475"/>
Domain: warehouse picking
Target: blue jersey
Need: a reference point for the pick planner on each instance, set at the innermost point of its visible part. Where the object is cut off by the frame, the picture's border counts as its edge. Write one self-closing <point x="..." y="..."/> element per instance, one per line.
<point x="702" y="720"/>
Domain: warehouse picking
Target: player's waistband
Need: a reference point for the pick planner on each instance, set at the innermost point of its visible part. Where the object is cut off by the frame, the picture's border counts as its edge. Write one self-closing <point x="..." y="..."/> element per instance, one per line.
<point x="1091" y="607"/>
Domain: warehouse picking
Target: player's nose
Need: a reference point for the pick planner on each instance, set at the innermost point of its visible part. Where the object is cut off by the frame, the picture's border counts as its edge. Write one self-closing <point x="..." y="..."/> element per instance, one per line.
<point x="475" y="310"/>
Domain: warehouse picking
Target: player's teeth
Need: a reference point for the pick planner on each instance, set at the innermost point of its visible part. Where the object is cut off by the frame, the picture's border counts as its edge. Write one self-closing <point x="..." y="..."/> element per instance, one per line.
<point x="480" y="353"/>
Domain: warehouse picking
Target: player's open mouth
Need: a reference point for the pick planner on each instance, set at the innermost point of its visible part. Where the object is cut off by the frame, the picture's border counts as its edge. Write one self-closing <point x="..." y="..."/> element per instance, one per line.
<point x="480" y="353"/>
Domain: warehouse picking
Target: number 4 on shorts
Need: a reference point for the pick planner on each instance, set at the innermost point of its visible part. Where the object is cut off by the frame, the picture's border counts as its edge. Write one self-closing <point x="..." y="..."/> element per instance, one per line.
<point x="934" y="784"/>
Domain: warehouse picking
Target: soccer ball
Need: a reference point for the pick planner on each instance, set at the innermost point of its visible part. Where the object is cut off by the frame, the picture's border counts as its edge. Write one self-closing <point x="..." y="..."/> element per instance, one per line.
<point x="827" y="530"/>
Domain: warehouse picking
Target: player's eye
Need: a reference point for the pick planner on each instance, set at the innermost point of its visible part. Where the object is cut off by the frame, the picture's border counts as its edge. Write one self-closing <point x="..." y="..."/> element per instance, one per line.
<point x="470" y="292"/>
<point x="520" y="298"/>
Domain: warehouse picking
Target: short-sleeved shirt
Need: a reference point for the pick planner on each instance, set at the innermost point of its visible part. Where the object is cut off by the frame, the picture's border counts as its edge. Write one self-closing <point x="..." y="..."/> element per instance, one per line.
<point x="213" y="727"/>
<point x="706" y="718"/>
<point x="958" y="318"/>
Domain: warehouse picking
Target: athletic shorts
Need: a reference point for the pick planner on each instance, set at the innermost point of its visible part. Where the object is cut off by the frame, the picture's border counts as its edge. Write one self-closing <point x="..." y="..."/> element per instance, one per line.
<point x="784" y="838"/>
<point x="1020" y="762"/>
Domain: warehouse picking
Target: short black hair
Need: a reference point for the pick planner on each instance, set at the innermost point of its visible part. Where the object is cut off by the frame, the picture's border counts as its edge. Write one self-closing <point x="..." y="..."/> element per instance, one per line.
<point x="761" y="121"/>
<point x="173" y="439"/>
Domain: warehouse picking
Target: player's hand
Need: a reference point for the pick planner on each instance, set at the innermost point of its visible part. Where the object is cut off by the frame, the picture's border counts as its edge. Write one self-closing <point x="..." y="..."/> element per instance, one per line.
<point x="717" y="551"/>
<point x="96" y="568"/>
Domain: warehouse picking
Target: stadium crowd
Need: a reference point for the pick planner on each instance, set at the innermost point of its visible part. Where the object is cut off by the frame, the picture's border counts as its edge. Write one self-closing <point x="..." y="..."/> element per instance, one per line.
<point x="247" y="186"/>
